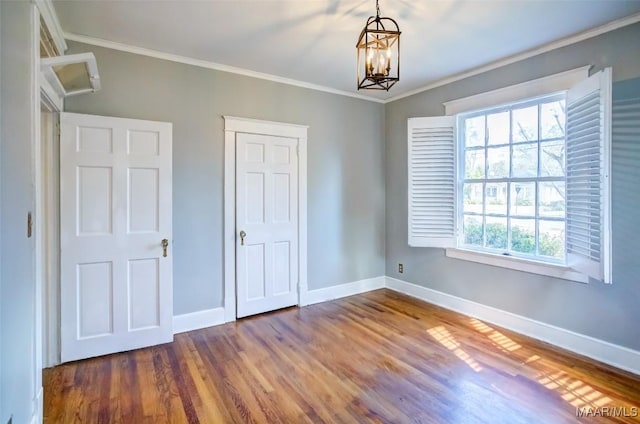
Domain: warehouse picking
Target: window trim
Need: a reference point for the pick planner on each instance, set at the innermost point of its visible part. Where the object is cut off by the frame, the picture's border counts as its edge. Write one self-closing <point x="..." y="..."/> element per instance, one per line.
<point x="516" y="263"/>
<point x="461" y="180"/>
<point x="548" y="85"/>
<point x="529" y="89"/>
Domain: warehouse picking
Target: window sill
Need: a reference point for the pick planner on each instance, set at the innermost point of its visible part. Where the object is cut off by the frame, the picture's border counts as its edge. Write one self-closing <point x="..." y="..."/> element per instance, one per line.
<point x="518" y="264"/>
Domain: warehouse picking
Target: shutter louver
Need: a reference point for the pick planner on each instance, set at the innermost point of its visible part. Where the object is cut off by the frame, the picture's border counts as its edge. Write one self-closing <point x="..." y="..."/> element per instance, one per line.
<point x="587" y="172"/>
<point x="432" y="182"/>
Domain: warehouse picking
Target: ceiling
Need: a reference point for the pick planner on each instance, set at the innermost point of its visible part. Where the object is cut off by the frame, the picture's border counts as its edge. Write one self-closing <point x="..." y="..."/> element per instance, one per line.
<point x="314" y="41"/>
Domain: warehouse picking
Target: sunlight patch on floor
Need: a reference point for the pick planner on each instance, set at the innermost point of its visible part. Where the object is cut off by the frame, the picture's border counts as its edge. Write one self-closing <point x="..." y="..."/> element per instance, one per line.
<point x="532" y="358"/>
<point x="573" y="390"/>
<point x="500" y="340"/>
<point x="447" y="340"/>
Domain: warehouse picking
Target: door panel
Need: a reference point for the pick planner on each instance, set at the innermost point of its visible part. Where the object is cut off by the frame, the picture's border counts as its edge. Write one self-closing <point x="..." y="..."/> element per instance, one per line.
<point x="94" y="200"/>
<point x="144" y="284"/>
<point x="143" y="143"/>
<point x="94" y="140"/>
<point x="266" y="210"/>
<point x="281" y="267"/>
<point x="143" y="209"/>
<point x="115" y="204"/>
<point x="95" y="285"/>
<point x="254" y="266"/>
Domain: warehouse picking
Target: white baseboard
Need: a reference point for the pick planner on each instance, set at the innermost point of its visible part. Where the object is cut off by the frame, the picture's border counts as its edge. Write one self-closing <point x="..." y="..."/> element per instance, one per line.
<point x="341" y="290"/>
<point x="216" y="316"/>
<point x="37" y="417"/>
<point x="198" y="320"/>
<point x="609" y="353"/>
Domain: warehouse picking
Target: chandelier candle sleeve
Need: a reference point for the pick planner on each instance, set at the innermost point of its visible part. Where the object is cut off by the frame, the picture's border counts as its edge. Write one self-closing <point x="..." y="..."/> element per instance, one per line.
<point x="378" y="53"/>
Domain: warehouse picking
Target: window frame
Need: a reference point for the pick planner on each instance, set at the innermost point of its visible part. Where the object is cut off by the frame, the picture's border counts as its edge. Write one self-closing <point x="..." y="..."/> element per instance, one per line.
<point x="575" y="82"/>
<point x="486" y="180"/>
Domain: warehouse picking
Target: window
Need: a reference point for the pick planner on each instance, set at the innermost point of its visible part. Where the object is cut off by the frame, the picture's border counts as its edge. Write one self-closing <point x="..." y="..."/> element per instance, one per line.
<point x="515" y="154"/>
<point x="523" y="182"/>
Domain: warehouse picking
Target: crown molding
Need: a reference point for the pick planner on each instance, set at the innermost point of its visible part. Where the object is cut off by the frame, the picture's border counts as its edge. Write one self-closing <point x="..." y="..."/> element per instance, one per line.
<point x="572" y="39"/>
<point x="48" y="13"/>
<point x="563" y="42"/>
<point x="210" y="65"/>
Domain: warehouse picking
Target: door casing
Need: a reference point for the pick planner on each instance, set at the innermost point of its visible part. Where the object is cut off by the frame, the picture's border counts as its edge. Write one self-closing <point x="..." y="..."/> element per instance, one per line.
<point x="232" y="126"/>
<point x="47" y="229"/>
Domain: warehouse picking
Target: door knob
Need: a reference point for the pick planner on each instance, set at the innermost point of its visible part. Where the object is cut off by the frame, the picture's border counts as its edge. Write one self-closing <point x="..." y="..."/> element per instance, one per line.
<point x="165" y="244"/>
<point x="242" y="236"/>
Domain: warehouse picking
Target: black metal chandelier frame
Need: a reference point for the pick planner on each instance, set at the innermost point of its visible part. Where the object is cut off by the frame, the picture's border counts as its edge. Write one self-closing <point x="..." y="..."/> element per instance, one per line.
<point x="378" y="46"/>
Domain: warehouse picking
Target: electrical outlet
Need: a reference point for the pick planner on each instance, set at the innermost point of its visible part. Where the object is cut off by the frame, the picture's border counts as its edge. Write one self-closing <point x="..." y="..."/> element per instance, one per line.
<point x="400" y="268"/>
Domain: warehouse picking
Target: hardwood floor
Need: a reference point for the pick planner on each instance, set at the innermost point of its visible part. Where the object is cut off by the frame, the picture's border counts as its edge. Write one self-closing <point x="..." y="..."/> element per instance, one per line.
<point x="376" y="357"/>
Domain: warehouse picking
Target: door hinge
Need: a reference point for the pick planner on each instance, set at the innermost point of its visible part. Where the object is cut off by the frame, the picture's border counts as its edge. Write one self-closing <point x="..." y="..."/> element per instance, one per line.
<point x="29" y="225"/>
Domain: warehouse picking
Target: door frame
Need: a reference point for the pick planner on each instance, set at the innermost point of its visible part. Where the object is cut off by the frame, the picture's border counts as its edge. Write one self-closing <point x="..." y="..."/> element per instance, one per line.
<point x="232" y="126"/>
<point x="47" y="191"/>
<point x="47" y="237"/>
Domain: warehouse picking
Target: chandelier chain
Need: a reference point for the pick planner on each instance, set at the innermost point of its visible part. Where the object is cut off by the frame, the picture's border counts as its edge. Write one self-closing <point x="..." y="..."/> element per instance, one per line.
<point x="377" y="9"/>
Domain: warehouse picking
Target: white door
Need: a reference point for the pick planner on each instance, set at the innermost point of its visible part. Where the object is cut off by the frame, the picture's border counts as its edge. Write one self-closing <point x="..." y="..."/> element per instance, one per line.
<point x="266" y="223"/>
<point x="115" y="212"/>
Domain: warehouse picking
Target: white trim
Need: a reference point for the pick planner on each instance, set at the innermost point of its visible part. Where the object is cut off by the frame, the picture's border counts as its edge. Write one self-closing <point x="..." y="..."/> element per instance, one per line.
<point x="36" y="209"/>
<point x="229" y="233"/>
<point x="38" y="403"/>
<point x="53" y="24"/>
<point x="211" y="65"/>
<point x="49" y="213"/>
<point x="197" y="320"/>
<point x="609" y="353"/>
<point x="302" y="217"/>
<point x="216" y="316"/>
<point x="572" y="39"/>
<point x="258" y="126"/>
<point x="519" y="264"/>
<point x="342" y="290"/>
<point x="550" y="84"/>
<point x="233" y="125"/>
<point x="563" y="42"/>
<point x="50" y="95"/>
<point x="48" y="187"/>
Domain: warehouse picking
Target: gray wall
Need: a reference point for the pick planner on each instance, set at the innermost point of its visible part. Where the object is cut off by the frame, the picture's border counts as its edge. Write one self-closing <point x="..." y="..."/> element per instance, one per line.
<point x="17" y="319"/>
<point x="345" y="167"/>
<point x="609" y="313"/>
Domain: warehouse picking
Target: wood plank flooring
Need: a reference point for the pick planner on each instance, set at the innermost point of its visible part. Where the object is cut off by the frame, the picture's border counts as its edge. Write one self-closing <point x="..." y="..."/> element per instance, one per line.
<point x="378" y="357"/>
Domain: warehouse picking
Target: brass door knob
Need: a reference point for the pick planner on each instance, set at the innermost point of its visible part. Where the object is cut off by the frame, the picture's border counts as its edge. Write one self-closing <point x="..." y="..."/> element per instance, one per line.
<point x="165" y="244"/>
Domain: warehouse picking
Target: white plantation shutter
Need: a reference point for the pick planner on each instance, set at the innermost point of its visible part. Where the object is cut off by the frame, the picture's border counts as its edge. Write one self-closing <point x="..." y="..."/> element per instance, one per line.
<point x="432" y="181"/>
<point x="588" y="141"/>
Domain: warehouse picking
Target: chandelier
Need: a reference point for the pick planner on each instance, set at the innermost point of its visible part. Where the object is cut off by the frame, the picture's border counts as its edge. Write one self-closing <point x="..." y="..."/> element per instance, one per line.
<point x="379" y="53"/>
